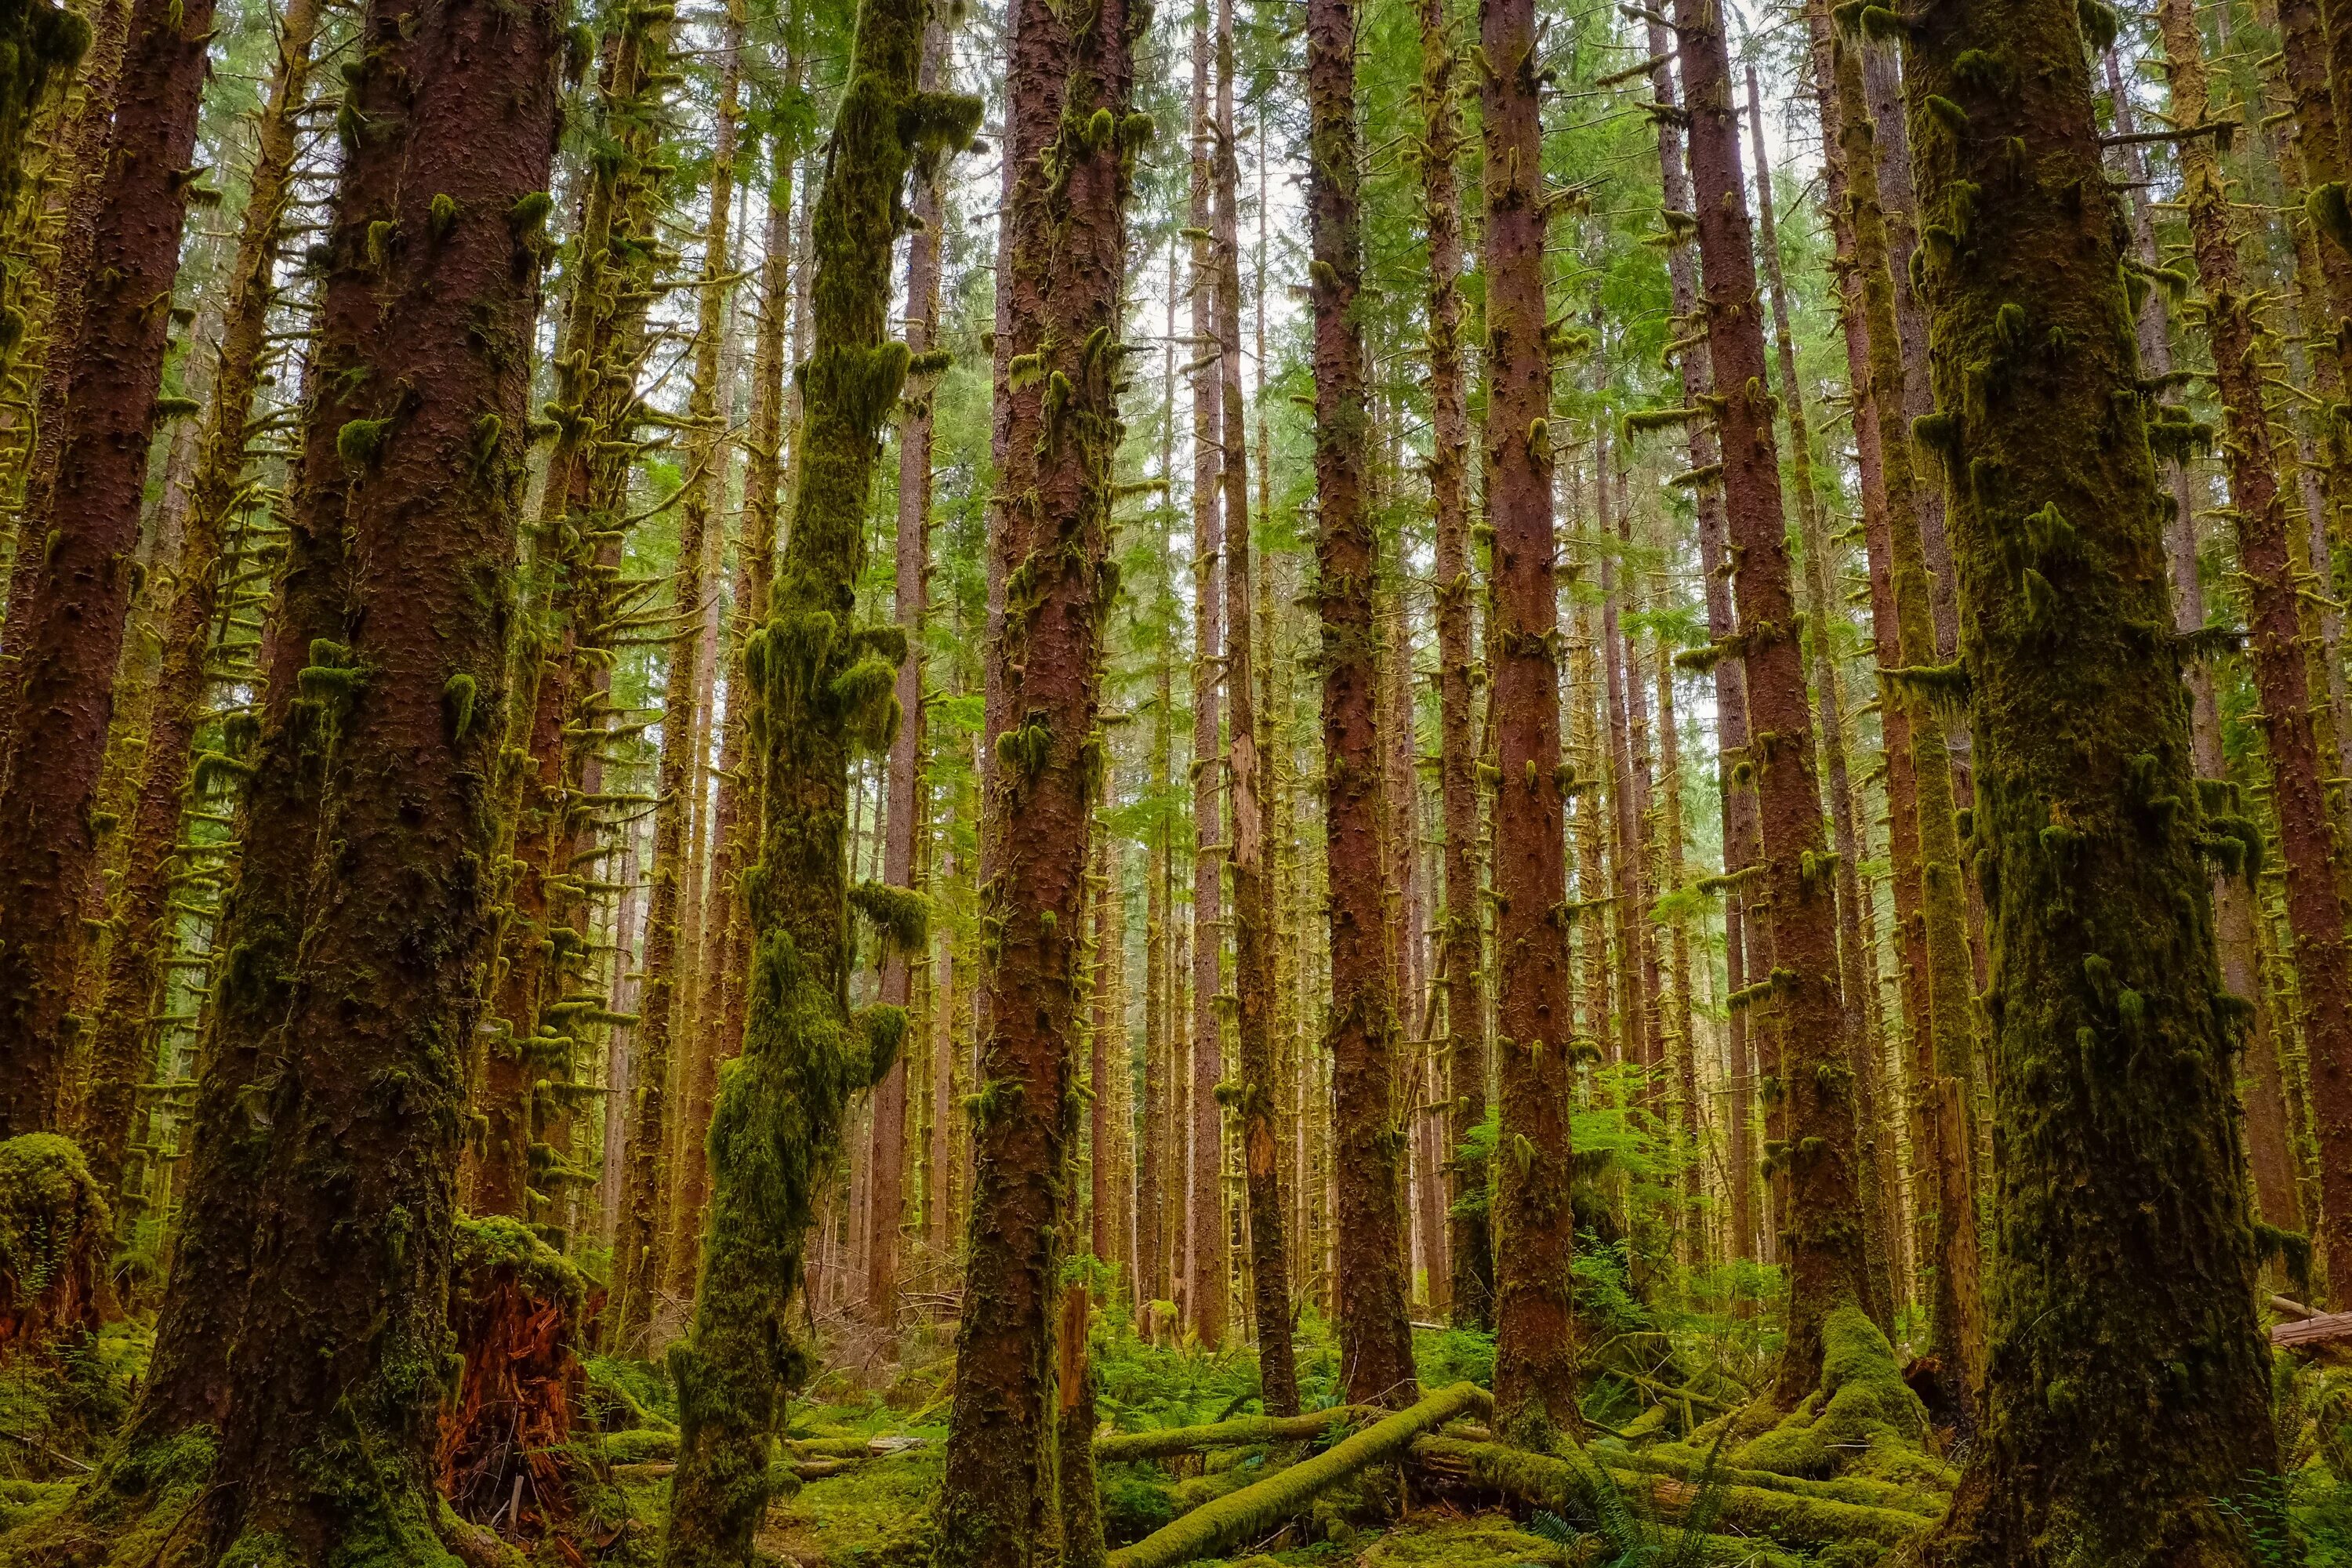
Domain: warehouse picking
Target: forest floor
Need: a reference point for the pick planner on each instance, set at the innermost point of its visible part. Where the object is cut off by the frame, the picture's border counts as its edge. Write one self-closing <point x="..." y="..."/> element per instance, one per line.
<point x="1676" y="1471"/>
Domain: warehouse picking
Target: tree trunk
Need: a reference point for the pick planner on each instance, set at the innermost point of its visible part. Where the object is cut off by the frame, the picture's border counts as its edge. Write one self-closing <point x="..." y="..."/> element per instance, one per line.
<point x="904" y="816"/>
<point x="312" y="1278"/>
<point x="735" y="818"/>
<point x="1956" y="1328"/>
<point x="1261" y="1132"/>
<point x="122" y="1055"/>
<point x="80" y="530"/>
<point x="1470" y="1241"/>
<point x="2298" y="788"/>
<point x="2086" y="839"/>
<point x="1375" y="1343"/>
<point x="44" y="43"/>
<point x="825" y="690"/>
<point x="1881" y="1236"/>
<point x="1824" y="1236"/>
<point x="1535" y="1224"/>
<point x="1073" y="143"/>
<point x="638" y="1253"/>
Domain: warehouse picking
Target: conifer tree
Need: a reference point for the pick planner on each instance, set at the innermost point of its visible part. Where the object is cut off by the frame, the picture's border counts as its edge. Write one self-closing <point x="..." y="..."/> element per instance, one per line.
<point x="824" y="685"/>
<point x="2085" y="837"/>
<point x="1073" y="141"/>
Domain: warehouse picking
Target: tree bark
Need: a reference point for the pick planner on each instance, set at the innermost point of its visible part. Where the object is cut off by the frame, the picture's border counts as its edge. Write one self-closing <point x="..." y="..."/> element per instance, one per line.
<point x="1375" y="1343"/>
<point x="79" y="532"/>
<point x="1535" y="1222"/>
<point x="1461" y="954"/>
<point x="1955" y="1329"/>
<point x="2298" y="790"/>
<point x="825" y="690"/>
<point x="1823" y="1240"/>
<point x="121" y="1052"/>
<point x="313" y="1275"/>
<point x="1260" y="1131"/>
<point x="1073" y="143"/>
<point x="2086" y="847"/>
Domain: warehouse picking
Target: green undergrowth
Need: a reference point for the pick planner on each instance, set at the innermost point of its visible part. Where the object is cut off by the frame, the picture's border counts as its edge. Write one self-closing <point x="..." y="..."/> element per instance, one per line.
<point x="56" y="1409"/>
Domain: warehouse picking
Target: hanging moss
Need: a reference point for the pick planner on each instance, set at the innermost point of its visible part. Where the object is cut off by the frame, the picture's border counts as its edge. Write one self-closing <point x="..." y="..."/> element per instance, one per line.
<point x="38" y="46"/>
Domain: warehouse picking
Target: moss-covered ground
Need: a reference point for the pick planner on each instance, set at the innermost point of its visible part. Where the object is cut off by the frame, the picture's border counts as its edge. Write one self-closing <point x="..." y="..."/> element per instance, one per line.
<point x="1678" y="1468"/>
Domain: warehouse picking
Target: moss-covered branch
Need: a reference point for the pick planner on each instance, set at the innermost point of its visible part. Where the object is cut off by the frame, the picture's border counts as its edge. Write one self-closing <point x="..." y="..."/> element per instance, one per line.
<point x="1575" y="1486"/>
<point x="1249" y="1512"/>
<point x="1124" y="1445"/>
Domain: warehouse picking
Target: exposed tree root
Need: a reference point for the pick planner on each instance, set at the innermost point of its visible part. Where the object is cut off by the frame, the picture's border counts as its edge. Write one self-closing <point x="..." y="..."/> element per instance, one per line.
<point x="1120" y="1446"/>
<point x="1863" y="1417"/>
<point x="1575" y="1486"/>
<point x="1240" y="1516"/>
<point x="55" y="1236"/>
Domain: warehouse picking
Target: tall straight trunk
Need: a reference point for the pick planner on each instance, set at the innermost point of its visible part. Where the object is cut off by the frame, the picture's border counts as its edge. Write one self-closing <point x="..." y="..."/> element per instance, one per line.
<point x="2111" y="1043"/>
<point x="1109" y="921"/>
<point x="1075" y="143"/>
<point x="120" y="1058"/>
<point x="1729" y="673"/>
<point x="1823" y="612"/>
<point x="824" y="686"/>
<point x="904" y="818"/>
<point x="1625" y="818"/>
<point x="1259" y="1126"/>
<point x="1470" y="1241"/>
<point x="1955" y="1329"/>
<point x="735" y="818"/>
<point x="1823" y="1239"/>
<point x="640" y="1260"/>
<point x="1155" y="1283"/>
<point x="1641" y="800"/>
<point x="79" y="533"/>
<point x="2298" y="786"/>
<point x="1375" y="1341"/>
<point x="313" y="1270"/>
<point x="1209" y="1264"/>
<point x="1689" y="1112"/>
<point x="2304" y="41"/>
<point x="1895" y="729"/>
<point x="1535" y="1222"/>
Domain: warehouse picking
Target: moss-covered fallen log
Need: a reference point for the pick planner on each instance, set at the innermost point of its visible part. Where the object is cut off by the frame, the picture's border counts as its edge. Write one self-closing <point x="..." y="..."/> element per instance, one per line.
<point x="1123" y="1446"/>
<point x="1575" y="1486"/>
<point x="1210" y="1530"/>
<point x="1858" y="1490"/>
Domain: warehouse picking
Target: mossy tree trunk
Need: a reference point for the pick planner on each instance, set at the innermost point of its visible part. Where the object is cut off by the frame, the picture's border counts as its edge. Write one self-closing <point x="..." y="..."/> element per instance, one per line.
<point x="2322" y="962"/>
<point x="824" y="689"/>
<point x="1375" y="1341"/>
<point x="904" y="816"/>
<point x="1073" y="143"/>
<point x="1822" y="1240"/>
<point x="1207" y="1266"/>
<point x="1535" y="1030"/>
<point x="1259" y="1126"/>
<point x="121" y="1055"/>
<point x="1917" y="685"/>
<point x="2110" y="1041"/>
<point x="1857" y="969"/>
<point x="44" y="41"/>
<point x="299" y="1345"/>
<point x="78" y="533"/>
<point x="639" y="1258"/>
<point x="1461" y="953"/>
<point x="736" y="817"/>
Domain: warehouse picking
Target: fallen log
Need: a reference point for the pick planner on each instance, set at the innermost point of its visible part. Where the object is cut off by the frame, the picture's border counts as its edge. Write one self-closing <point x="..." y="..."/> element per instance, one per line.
<point x="1122" y="1446"/>
<point x="1208" y="1531"/>
<point x="1576" y="1487"/>
<point x="1856" y="1489"/>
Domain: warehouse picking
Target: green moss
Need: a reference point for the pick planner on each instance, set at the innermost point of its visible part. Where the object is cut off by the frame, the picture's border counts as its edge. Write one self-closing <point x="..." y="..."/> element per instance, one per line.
<point x="872" y="1516"/>
<point x="1862" y="1404"/>
<point x="1479" y="1541"/>
<point x="55" y="1233"/>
